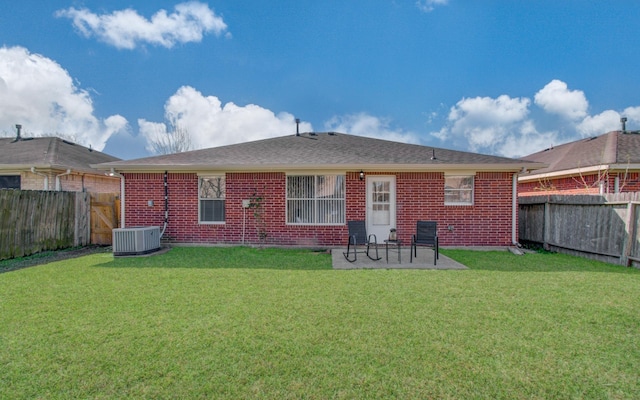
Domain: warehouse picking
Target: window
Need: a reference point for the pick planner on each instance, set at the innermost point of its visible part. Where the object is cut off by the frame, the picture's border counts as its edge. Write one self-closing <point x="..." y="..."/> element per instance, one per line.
<point x="10" y="182"/>
<point x="212" y="198"/>
<point x="458" y="190"/>
<point x="315" y="199"/>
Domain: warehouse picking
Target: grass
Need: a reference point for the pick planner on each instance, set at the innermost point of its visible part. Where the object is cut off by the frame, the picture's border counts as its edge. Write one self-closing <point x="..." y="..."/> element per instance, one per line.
<point x="250" y="323"/>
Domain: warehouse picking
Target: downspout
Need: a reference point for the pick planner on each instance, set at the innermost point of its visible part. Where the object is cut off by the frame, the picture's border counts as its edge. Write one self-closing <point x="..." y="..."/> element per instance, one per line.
<point x="514" y="214"/>
<point x="122" y="207"/>
<point x="46" y="177"/>
<point x="166" y="204"/>
<point x="58" y="184"/>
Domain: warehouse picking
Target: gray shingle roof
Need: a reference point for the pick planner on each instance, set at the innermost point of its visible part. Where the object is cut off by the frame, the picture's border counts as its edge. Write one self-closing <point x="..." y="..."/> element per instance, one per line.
<point x="49" y="152"/>
<point x="608" y="149"/>
<point x="318" y="151"/>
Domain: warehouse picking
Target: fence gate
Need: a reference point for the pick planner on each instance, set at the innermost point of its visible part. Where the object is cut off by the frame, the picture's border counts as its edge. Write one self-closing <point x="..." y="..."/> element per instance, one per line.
<point x="104" y="217"/>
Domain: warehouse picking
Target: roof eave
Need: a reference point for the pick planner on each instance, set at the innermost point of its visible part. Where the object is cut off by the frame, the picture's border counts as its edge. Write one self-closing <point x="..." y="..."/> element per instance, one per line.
<point x="27" y="168"/>
<point x="579" y="171"/>
<point x="490" y="167"/>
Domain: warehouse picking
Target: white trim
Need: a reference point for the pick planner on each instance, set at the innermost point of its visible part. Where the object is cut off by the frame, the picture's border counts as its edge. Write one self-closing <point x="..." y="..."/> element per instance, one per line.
<point x="460" y="173"/>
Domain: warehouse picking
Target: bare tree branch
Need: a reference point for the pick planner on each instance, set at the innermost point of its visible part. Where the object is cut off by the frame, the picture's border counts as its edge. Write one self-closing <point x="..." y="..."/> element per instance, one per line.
<point x="175" y="140"/>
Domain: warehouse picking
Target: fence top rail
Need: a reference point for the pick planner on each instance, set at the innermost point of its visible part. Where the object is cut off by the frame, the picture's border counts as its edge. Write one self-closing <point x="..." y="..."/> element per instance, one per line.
<point x="622" y="198"/>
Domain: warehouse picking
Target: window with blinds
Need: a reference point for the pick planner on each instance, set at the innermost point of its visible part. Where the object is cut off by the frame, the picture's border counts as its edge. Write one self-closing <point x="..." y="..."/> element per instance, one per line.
<point x="316" y="199"/>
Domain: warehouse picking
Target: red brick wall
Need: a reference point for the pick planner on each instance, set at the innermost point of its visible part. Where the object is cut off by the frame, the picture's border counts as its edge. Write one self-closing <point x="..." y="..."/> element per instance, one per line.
<point x="71" y="183"/>
<point x="420" y="196"/>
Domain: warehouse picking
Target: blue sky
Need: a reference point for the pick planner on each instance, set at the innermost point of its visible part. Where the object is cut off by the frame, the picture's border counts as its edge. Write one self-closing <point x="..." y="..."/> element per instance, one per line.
<point x="497" y="77"/>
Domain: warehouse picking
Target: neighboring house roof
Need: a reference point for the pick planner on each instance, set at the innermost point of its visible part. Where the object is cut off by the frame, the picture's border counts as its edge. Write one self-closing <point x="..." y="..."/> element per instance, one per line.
<point x="613" y="150"/>
<point x="316" y="151"/>
<point x="49" y="153"/>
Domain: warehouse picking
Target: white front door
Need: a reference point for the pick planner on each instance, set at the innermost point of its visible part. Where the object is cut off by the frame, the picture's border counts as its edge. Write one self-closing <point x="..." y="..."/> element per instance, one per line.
<point x="381" y="205"/>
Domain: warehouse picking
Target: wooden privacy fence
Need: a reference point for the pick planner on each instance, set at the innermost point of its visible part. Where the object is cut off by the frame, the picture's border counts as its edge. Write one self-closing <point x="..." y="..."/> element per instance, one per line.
<point x="604" y="227"/>
<point x="35" y="221"/>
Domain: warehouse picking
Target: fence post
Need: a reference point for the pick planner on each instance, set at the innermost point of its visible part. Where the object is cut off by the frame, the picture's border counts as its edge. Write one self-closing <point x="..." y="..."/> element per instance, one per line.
<point x="546" y="227"/>
<point x="630" y="233"/>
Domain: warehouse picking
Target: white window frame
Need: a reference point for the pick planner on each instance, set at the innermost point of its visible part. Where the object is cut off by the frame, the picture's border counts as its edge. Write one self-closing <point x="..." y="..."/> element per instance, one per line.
<point x="315" y="200"/>
<point x="471" y="190"/>
<point x="223" y="198"/>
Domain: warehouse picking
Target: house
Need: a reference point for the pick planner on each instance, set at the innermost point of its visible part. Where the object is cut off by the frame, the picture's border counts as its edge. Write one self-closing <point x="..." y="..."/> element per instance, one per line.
<point x="51" y="163"/>
<point x="302" y="189"/>
<point x="608" y="163"/>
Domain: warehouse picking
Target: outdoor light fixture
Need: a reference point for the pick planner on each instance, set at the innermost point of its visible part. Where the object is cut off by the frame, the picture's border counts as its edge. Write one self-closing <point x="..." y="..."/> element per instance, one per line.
<point x="361" y="175"/>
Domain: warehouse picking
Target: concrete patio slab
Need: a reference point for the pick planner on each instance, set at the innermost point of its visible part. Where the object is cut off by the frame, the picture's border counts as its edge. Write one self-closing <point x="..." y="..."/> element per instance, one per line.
<point x="424" y="260"/>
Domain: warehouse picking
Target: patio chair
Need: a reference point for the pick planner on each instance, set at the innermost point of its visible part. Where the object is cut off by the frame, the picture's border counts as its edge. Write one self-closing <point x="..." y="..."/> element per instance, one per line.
<point x="426" y="235"/>
<point x="358" y="237"/>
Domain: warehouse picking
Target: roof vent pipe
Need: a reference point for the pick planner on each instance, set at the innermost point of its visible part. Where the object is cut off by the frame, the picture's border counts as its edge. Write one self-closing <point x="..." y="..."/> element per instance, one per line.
<point x="297" y="126"/>
<point x="623" y="121"/>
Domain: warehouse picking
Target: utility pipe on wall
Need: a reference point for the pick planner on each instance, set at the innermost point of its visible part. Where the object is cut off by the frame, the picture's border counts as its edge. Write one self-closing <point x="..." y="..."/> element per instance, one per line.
<point x="166" y="203"/>
<point x="514" y="214"/>
<point x="46" y="177"/>
<point x="122" y="207"/>
<point x="58" y="184"/>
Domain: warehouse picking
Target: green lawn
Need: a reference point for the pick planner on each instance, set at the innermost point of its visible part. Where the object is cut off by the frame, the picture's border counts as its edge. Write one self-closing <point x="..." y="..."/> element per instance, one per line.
<point x="249" y="323"/>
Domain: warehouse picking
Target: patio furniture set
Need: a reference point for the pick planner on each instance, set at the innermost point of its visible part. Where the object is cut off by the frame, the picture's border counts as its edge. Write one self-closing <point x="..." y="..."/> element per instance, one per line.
<point x="426" y="235"/>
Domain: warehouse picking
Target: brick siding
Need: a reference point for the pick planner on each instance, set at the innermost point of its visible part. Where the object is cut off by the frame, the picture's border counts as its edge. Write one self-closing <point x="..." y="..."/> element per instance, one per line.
<point x="420" y="196"/>
<point x="70" y="183"/>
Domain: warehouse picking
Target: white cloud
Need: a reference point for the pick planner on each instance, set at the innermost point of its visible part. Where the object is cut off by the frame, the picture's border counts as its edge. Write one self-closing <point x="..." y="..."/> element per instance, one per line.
<point x="210" y="123"/>
<point x="429" y="5"/>
<point x="126" y="29"/>
<point x="363" y="124"/>
<point x="596" y="125"/>
<point x="503" y="125"/>
<point x="556" y="98"/>
<point x="526" y="140"/>
<point x="485" y="123"/>
<point x="39" y="94"/>
<point x="633" y="117"/>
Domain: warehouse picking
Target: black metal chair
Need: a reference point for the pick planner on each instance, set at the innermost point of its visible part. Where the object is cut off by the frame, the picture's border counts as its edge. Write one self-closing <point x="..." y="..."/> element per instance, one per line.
<point x="358" y="237"/>
<point x="426" y="235"/>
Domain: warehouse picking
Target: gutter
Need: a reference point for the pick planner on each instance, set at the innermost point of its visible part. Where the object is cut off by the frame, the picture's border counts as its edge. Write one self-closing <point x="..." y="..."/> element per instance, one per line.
<point x="141" y="168"/>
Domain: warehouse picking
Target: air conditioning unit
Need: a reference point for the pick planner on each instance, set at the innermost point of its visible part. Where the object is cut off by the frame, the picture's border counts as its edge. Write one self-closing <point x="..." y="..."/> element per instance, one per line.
<point x="135" y="241"/>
